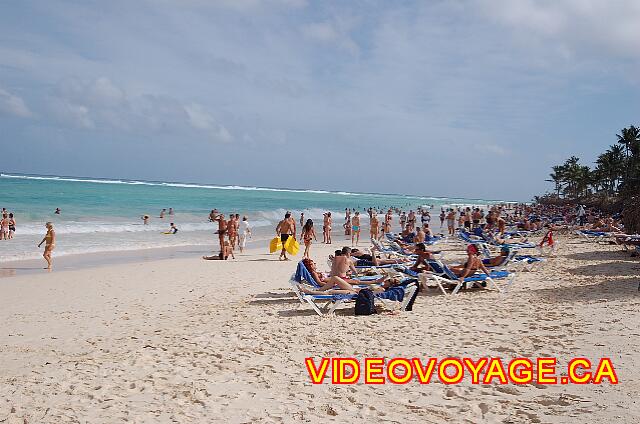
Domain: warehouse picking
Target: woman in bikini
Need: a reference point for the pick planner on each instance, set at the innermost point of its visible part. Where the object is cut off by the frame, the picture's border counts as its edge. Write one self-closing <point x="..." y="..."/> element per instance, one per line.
<point x="473" y="264"/>
<point x="4" y="227"/>
<point x="332" y="285"/>
<point x="374" y="225"/>
<point x="49" y="241"/>
<point x="308" y="233"/>
<point x="222" y="229"/>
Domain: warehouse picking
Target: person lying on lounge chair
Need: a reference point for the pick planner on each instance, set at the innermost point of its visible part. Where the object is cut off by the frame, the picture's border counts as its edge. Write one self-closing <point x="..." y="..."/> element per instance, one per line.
<point x="333" y="284"/>
<point x="373" y="260"/>
<point x="472" y="264"/>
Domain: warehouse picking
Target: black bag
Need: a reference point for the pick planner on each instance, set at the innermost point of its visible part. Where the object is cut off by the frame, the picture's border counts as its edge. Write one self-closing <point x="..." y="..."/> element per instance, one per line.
<point x="364" y="303"/>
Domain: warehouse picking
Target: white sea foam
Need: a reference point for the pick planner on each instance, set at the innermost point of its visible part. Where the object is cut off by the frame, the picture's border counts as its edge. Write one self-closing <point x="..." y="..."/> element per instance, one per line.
<point x="180" y="185"/>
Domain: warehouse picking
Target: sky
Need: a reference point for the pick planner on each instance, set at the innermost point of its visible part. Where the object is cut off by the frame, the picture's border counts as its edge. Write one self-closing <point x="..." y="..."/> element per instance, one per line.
<point x="474" y="98"/>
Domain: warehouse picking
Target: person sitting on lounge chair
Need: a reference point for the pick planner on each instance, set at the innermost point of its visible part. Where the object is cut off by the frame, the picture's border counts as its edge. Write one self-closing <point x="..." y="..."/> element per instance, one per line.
<point x="421" y="264"/>
<point x="497" y="260"/>
<point x="472" y="264"/>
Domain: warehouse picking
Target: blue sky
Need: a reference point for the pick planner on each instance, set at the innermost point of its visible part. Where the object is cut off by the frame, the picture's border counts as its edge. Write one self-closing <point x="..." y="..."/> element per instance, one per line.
<point x="446" y="98"/>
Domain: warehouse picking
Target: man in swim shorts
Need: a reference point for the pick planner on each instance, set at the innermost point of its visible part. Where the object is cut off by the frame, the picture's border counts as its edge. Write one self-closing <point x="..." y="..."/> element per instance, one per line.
<point x="285" y="229"/>
<point x="355" y="229"/>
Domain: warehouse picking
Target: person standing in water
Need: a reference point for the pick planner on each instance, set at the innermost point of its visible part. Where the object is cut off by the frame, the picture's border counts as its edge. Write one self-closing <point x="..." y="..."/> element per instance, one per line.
<point x="4" y="227"/>
<point x="301" y="219"/>
<point x="355" y="227"/>
<point x="307" y="234"/>
<point x="245" y="232"/>
<point x="50" y="243"/>
<point x="285" y="229"/>
<point x="12" y="225"/>
<point x="162" y="212"/>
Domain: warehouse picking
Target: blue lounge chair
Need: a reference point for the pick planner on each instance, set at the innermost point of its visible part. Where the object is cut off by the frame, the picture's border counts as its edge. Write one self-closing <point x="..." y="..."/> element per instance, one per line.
<point x="333" y="301"/>
<point x="442" y="274"/>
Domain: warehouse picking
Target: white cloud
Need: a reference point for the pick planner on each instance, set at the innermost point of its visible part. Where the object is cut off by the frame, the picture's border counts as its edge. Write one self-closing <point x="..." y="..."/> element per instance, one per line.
<point x="101" y="104"/>
<point x="575" y="26"/>
<point x="11" y="104"/>
<point x="201" y="119"/>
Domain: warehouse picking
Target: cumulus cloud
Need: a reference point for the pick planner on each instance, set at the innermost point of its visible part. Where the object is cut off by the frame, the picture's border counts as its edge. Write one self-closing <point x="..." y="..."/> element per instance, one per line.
<point x="573" y="25"/>
<point x="102" y="104"/>
<point x="201" y="119"/>
<point x="10" y="104"/>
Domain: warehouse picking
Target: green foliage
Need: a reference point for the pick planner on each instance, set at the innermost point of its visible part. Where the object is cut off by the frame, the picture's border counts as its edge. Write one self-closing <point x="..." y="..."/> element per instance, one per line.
<point x="618" y="167"/>
<point x="616" y="175"/>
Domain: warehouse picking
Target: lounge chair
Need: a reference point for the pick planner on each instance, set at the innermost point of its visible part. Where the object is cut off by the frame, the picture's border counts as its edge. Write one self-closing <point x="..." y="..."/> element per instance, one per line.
<point x="333" y="301"/>
<point x="593" y="236"/>
<point x="442" y="274"/>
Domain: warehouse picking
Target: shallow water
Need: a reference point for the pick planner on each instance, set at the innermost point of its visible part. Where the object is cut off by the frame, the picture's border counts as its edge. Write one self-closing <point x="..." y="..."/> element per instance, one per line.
<point x="100" y="215"/>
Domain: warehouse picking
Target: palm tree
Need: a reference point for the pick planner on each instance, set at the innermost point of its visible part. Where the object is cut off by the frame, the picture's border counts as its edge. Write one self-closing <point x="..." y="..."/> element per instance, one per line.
<point x="557" y="178"/>
<point x="610" y="169"/>
<point x="630" y="139"/>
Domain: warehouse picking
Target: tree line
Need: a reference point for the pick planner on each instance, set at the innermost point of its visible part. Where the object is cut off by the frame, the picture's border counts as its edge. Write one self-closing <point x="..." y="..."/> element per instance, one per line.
<point x="615" y="178"/>
<point x="615" y="169"/>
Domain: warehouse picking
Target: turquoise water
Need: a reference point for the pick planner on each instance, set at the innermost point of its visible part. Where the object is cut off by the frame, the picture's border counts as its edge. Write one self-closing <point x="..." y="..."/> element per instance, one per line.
<point x="104" y="215"/>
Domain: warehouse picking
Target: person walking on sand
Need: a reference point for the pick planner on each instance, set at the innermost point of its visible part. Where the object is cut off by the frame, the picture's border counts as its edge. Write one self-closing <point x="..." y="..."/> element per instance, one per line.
<point x="355" y="227"/>
<point x="307" y="234"/>
<point x="245" y="232"/>
<point x="50" y="243"/>
<point x="285" y="229"/>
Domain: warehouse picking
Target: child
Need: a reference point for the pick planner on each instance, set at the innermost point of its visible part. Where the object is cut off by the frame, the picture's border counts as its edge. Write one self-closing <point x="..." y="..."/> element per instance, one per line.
<point x="307" y="234"/>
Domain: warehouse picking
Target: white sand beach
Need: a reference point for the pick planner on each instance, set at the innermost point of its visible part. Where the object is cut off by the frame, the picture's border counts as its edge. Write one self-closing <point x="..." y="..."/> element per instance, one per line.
<point x="187" y="340"/>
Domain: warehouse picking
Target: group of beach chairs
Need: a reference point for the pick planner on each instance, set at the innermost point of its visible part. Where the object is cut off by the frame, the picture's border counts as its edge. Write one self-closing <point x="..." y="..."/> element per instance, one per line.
<point x="500" y="278"/>
<point x="628" y="242"/>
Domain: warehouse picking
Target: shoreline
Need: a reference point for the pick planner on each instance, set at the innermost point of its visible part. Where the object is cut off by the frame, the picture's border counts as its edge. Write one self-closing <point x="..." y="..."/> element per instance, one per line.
<point x="90" y="260"/>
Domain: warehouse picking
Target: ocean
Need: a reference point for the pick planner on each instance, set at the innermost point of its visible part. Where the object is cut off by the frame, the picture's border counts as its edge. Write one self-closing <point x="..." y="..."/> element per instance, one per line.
<point x="104" y="215"/>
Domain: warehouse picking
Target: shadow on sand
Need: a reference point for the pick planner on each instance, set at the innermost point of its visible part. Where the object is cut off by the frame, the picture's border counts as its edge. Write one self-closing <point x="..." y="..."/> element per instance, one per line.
<point x="602" y="291"/>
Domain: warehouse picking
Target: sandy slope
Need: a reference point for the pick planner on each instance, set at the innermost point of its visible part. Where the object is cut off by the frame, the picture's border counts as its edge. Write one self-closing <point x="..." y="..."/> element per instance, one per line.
<point x="186" y="340"/>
